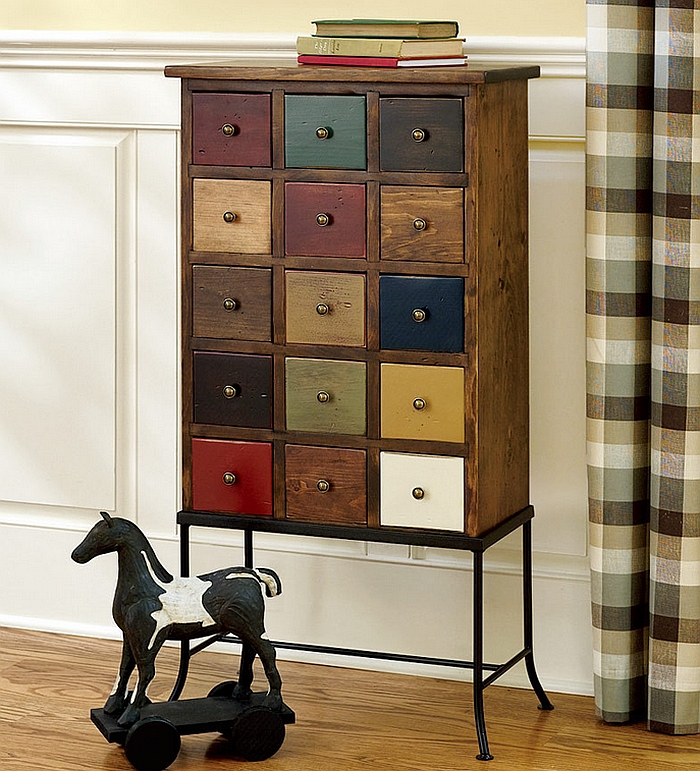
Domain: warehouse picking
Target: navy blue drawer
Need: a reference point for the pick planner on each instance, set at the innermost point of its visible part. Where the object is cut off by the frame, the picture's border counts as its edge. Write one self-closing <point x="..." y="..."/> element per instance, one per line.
<point x="422" y="313"/>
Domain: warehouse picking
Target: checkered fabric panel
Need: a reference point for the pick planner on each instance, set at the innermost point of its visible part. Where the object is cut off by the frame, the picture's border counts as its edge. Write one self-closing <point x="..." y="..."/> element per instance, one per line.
<point x="644" y="358"/>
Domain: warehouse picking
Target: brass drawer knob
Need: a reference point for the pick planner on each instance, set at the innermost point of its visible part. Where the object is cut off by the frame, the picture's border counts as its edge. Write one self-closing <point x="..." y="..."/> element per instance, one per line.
<point x="322" y="309"/>
<point x="323" y="397"/>
<point x="419" y="315"/>
<point x="419" y="224"/>
<point x="324" y="132"/>
<point x="229" y="216"/>
<point x="419" y="404"/>
<point x="322" y="220"/>
<point x="418" y="134"/>
<point x="230" y="304"/>
<point x="323" y="486"/>
<point x="228" y="478"/>
<point x="418" y="493"/>
<point x="228" y="130"/>
<point x="230" y="391"/>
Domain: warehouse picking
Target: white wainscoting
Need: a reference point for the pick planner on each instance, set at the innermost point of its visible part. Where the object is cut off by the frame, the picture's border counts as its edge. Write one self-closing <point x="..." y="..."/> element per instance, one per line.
<point x="89" y="382"/>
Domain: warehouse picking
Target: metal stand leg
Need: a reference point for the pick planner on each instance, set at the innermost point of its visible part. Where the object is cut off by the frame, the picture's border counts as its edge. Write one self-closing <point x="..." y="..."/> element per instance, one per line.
<point x="248" y="548"/>
<point x="478" y="637"/>
<point x="184" y="644"/>
<point x="545" y="703"/>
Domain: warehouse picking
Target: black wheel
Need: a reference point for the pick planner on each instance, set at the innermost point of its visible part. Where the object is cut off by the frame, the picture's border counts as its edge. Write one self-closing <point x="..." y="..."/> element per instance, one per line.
<point x="223" y="689"/>
<point x="152" y="744"/>
<point x="257" y="733"/>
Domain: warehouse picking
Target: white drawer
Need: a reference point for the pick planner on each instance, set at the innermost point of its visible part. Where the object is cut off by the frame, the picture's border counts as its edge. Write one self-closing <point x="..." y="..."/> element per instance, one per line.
<point x="425" y="491"/>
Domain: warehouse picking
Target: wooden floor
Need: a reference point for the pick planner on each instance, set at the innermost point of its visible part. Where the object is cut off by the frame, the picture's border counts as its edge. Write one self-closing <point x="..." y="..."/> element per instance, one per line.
<point x="346" y="719"/>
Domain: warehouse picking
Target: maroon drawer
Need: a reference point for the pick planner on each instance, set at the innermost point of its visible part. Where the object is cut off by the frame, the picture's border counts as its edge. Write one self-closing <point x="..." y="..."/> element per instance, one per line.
<point x="232" y="389"/>
<point x="231" y="129"/>
<point x="324" y="220"/>
<point x="232" y="477"/>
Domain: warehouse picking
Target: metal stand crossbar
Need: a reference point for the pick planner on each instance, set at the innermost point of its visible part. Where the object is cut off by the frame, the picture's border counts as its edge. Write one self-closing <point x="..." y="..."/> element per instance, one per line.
<point x="477" y="546"/>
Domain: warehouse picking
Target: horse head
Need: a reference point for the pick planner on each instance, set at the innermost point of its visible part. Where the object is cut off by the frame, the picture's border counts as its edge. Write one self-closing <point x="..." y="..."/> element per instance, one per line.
<point x="105" y="536"/>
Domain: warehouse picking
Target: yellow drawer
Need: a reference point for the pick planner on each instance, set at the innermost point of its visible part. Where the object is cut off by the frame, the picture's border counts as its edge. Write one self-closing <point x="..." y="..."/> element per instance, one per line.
<point x="424" y="491"/>
<point x="422" y="402"/>
<point x="232" y="216"/>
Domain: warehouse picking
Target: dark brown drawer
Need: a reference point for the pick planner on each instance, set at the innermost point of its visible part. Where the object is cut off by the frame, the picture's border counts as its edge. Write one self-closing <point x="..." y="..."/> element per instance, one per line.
<point x="421" y="134"/>
<point x="233" y="389"/>
<point x="231" y="129"/>
<point x="232" y="303"/>
<point x="326" y="484"/>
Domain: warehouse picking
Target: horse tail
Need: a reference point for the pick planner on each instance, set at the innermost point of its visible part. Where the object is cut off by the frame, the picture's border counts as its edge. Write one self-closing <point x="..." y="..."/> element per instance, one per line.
<point x="273" y="585"/>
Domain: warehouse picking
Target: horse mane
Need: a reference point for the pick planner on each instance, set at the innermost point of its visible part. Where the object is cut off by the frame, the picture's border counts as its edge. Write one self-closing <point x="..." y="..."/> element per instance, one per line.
<point x="144" y="545"/>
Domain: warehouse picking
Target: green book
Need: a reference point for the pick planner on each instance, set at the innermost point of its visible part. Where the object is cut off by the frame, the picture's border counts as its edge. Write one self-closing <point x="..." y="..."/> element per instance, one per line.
<point x="401" y="28"/>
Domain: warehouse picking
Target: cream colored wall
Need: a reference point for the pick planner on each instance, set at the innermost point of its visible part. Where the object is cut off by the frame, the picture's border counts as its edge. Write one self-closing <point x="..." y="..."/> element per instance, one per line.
<point x="564" y="18"/>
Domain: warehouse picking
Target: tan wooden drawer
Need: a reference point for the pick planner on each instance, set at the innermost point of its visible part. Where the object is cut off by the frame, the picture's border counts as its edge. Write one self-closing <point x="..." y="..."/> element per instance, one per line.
<point x="326" y="484"/>
<point x="326" y="395"/>
<point x="423" y="491"/>
<point x="232" y="216"/>
<point x="233" y="303"/>
<point x="422" y="402"/>
<point x="425" y="224"/>
<point x="325" y="308"/>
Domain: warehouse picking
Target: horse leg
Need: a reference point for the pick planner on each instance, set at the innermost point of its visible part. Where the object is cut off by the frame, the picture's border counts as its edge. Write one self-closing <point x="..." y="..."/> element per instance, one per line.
<point x="266" y="651"/>
<point x="146" y="663"/>
<point x="117" y="699"/>
<point x="245" y="673"/>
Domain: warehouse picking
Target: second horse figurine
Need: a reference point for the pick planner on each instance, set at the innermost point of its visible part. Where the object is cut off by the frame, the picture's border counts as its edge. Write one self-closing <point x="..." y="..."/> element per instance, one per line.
<point x="151" y="606"/>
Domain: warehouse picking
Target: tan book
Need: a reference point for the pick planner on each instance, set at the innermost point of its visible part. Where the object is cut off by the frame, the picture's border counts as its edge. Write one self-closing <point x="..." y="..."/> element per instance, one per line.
<point x="401" y="28"/>
<point x="357" y="46"/>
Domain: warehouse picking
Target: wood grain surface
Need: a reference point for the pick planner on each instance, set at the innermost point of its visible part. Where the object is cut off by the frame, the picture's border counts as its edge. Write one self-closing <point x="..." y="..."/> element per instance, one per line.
<point x="347" y="720"/>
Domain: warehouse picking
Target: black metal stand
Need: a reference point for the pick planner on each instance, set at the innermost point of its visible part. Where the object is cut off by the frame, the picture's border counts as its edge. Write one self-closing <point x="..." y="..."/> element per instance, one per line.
<point x="477" y="546"/>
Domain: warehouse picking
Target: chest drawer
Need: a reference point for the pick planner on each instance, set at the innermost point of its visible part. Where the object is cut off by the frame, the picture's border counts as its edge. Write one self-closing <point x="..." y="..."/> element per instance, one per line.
<point x="326" y="484"/>
<point x="325" y="131"/>
<point x="229" y="302"/>
<point x="231" y="129"/>
<point x="325" y="308"/>
<point x="425" y="224"/>
<point x="232" y="477"/>
<point x="231" y="216"/>
<point x="422" y="402"/>
<point x="233" y="389"/>
<point x="423" y="313"/>
<point x="325" y="395"/>
<point x="324" y="220"/>
<point x="421" y="134"/>
<point x="422" y="491"/>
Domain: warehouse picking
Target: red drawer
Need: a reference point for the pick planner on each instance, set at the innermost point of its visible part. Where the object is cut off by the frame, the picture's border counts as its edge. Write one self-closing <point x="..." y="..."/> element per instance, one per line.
<point x="324" y="220"/>
<point x="232" y="477"/>
<point x="231" y="129"/>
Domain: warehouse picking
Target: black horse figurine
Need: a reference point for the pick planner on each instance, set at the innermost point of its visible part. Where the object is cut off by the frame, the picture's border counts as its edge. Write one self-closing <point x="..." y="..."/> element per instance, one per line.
<point x="151" y="606"/>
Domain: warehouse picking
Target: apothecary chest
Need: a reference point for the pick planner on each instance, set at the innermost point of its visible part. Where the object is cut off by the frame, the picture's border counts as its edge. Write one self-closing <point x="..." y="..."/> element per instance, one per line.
<point x="354" y="296"/>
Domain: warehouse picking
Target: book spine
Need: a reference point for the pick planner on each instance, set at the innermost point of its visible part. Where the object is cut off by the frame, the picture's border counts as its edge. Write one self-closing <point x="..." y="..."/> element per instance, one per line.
<point x="350" y="61"/>
<point x="330" y="46"/>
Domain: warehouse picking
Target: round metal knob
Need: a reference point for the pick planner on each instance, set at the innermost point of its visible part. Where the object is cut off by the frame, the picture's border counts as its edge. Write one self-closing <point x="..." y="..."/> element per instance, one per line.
<point x="228" y="478"/>
<point x="229" y="216"/>
<point x="323" y="397"/>
<point x="418" y="493"/>
<point x="322" y="220"/>
<point x="419" y="404"/>
<point x="323" y="132"/>
<point x="419" y="224"/>
<point x="230" y="304"/>
<point x="228" y="130"/>
<point x="230" y="391"/>
<point x="418" y="315"/>
<point x="323" y="486"/>
<point x="418" y="134"/>
<point x="322" y="309"/>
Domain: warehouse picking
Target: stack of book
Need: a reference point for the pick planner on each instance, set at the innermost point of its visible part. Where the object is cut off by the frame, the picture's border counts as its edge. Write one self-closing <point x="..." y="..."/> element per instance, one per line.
<point x="382" y="43"/>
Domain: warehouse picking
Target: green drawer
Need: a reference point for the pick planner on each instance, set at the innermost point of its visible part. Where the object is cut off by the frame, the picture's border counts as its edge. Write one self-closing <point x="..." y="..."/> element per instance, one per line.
<point x="326" y="396"/>
<point x="325" y="131"/>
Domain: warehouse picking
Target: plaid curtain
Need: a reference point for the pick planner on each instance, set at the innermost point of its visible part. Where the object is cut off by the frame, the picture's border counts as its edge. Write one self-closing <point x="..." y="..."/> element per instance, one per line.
<point x="643" y="315"/>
